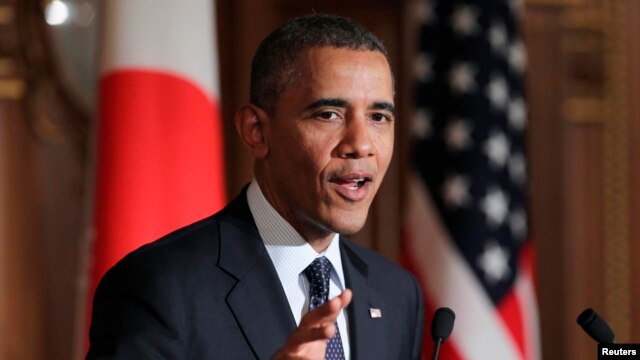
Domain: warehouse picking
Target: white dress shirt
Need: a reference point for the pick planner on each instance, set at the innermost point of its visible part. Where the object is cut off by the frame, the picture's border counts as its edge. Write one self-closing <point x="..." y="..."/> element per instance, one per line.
<point x="291" y="254"/>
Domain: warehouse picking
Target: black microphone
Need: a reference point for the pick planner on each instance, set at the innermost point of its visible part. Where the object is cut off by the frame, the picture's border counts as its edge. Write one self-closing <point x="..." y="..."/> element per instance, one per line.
<point x="596" y="327"/>
<point x="441" y="327"/>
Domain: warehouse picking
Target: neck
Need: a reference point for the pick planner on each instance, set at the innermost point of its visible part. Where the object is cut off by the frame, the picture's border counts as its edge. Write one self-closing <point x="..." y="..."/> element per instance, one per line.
<point x="320" y="245"/>
<point x="318" y="236"/>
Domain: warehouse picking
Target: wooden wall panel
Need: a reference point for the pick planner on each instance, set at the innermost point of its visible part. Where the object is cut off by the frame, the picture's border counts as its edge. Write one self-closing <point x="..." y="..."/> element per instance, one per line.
<point x="242" y="25"/>
<point x="43" y="143"/>
<point x="582" y="247"/>
<point x="22" y="326"/>
<point x="621" y="265"/>
<point x="545" y="146"/>
<point x="583" y="223"/>
<point x="633" y="21"/>
<point x="584" y="73"/>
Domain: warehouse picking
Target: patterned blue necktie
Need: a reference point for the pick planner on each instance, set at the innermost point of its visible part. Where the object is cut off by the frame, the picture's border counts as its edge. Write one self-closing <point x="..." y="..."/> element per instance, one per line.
<point x="318" y="274"/>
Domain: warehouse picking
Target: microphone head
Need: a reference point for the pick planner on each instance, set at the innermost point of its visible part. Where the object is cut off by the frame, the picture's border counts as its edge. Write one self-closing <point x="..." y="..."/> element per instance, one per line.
<point x="596" y="327"/>
<point x="442" y="324"/>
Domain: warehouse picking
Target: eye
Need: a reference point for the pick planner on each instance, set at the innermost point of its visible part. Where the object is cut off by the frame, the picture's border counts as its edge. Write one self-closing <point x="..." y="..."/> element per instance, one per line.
<point x="380" y="117"/>
<point x="327" y="115"/>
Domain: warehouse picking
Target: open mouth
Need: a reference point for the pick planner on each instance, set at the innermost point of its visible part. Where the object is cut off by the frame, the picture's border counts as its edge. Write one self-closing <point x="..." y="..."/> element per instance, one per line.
<point x="353" y="184"/>
<point x="352" y="187"/>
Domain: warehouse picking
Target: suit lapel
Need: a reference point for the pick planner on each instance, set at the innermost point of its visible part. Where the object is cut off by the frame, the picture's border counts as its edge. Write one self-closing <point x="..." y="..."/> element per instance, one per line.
<point x="367" y="334"/>
<point x="257" y="300"/>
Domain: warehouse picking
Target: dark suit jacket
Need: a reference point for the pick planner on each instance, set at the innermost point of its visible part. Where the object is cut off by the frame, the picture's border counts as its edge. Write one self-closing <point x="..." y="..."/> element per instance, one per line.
<point x="210" y="291"/>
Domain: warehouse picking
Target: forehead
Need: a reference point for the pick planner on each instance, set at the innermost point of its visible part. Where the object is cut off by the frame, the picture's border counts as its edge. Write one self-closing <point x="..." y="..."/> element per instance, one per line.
<point x="328" y="57"/>
<point x="341" y="69"/>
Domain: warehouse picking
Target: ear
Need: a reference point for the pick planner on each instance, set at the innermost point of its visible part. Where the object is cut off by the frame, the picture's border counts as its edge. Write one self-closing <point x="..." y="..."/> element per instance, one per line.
<point x="250" y="122"/>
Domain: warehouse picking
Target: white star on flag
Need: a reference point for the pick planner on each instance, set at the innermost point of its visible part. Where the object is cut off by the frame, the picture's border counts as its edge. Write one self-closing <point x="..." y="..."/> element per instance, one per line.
<point x="518" y="224"/>
<point x="424" y="12"/>
<point x="458" y="135"/>
<point x="421" y="124"/>
<point x="517" y="114"/>
<point x="497" y="149"/>
<point x="456" y="191"/>
<point x="495" y="206"/>
<point x="497" y="92"/>
<point x="517" y="168"/>
<point x="465" y="21"/>
<point x="498" y="37"/>
<point x="516" y="6"/>
<point x="494" y="261"/>
<point x="423" y="67"/>
<point x="461" y="78"/>
<point x="517" y="56"/>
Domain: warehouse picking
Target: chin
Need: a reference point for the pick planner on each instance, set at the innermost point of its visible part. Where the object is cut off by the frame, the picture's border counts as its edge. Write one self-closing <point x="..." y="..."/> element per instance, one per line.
<point x="349" y="224"/>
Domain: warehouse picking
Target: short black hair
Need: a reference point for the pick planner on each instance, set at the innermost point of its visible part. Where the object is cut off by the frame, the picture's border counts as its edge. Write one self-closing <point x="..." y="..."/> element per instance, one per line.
<point x="273" y="65"/>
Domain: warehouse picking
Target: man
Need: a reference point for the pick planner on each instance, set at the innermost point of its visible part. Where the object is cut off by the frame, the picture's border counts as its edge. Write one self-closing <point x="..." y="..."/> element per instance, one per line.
<point x="253" y="280"/>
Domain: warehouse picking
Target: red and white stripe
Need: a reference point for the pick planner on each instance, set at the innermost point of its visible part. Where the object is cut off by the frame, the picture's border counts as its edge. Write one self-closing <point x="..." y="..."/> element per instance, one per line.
<point x="481" y="330"/>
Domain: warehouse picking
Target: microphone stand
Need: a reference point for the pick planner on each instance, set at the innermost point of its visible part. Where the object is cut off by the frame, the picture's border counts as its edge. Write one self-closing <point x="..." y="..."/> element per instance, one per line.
<point x="436" y="350"/>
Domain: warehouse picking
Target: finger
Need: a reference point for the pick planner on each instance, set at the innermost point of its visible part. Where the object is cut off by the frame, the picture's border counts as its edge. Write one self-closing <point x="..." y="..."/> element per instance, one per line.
<point x="306" y="343"/>
<point x="346" y="297"/>
<point x="328" y="312"/>
<point x="304" y="335"/>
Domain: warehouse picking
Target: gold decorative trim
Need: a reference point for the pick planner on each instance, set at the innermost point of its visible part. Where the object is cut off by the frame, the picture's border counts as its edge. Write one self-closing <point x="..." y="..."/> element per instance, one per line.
<point x="12" y="89"/>
<point x="7" y="14"/>
<point x="616" y="172"/>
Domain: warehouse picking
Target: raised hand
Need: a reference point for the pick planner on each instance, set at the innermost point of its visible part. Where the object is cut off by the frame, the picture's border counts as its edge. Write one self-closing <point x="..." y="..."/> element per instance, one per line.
<point x="309" y="340"/>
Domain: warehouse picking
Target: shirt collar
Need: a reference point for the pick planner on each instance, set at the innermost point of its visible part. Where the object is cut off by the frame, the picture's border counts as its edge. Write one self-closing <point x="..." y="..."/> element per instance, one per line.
<point x="289" y="251"/>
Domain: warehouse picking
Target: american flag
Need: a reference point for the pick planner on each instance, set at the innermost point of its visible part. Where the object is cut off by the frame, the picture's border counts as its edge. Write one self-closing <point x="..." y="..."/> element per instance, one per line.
<point x="466" y="230"/>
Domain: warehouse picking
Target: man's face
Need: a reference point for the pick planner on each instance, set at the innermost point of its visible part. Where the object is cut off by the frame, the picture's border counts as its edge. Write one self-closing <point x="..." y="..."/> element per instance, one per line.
<point x="330" y="141"/>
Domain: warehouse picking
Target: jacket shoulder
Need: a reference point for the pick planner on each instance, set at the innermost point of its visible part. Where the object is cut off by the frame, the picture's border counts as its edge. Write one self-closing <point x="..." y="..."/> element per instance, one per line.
<point x="192" y="242"/>
<point x="382" y="272"/>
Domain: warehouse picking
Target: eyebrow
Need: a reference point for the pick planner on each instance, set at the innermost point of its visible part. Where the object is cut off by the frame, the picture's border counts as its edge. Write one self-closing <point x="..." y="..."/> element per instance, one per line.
<point x="337" y="102"/>
<point x="383" y="105"/>
<point x="327" y="102"/>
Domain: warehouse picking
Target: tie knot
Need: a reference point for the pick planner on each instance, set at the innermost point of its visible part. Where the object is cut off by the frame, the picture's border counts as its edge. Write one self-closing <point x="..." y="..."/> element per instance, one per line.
<point x="318" y="274"/>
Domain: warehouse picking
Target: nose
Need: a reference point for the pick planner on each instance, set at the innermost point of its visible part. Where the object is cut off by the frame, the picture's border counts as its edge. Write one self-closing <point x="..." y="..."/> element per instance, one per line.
<point x="356" y="139"/>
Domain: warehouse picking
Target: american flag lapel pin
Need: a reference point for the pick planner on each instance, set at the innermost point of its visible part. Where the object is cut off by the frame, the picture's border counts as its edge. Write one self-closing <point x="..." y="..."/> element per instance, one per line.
<point x="375" y="313"/>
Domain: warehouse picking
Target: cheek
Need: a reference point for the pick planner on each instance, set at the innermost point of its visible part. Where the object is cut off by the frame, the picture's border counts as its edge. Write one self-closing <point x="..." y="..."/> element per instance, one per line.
<point x="312" y="160"/>
<point x="314" y="151"/>
<point x="301" y="156"/>
<point x="385" y="149"/>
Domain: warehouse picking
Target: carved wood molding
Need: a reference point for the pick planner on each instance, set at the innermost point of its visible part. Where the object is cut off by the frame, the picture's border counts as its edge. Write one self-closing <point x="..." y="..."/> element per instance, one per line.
<point x="583" y="50"/>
